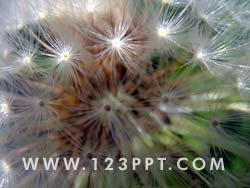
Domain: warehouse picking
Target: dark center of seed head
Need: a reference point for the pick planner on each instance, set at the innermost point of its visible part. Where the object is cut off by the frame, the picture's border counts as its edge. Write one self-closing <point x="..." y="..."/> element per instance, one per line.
<point x="107" y="107"/>
<point x="41" y="103"/>
<point x="215" y="123"/>
<point x="165" y="99"/>
<point x="89" y="155"/>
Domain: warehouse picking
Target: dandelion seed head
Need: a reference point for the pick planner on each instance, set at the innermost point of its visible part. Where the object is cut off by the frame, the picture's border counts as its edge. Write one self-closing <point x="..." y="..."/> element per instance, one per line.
<point x="100" y="87"/>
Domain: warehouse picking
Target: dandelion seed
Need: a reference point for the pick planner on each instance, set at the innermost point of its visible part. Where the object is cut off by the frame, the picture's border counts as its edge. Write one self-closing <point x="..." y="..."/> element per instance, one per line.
<point x="34" y="105"/>
<point x="213" y="12"/>
<point x="171" y="23"/>
<point x="65" y="56"/>
<point x="124" y="41"/>
<point x="216" y="50"/>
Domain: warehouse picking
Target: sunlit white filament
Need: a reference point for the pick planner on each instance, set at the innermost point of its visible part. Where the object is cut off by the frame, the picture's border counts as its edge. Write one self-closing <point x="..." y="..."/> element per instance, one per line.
<point x="26" y="60"/>
<point x="20" y="26"/>
<point x="91" y="6"/>
<point x="167" y="1"/>
<point x="4" y="108"/>
<point x="5" y="167"/>
<point x="41" y="16"/>
<point x="117" y="43"/>
<point x="64" y="56"/>
<point x="6" y="53"/>
<point x="200" y="56"/>
<point x="163" y="32"/>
